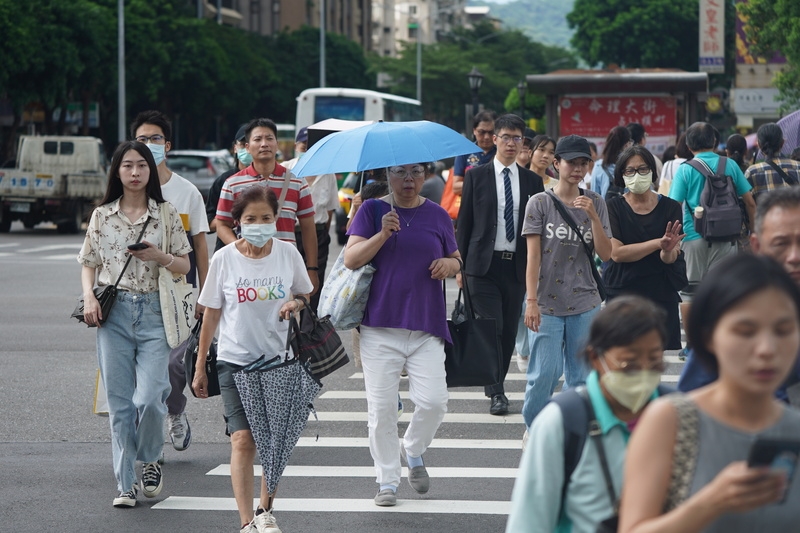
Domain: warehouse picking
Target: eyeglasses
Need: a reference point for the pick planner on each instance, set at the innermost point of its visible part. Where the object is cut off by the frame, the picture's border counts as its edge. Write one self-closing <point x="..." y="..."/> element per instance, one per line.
<point x="630" y="171"/>
<point x="483" y="133"/>
<point x="157" y="139"/>
<point x="508" y="138"/>
<point x="633" y="366"/>
<point x="401" y="172"/>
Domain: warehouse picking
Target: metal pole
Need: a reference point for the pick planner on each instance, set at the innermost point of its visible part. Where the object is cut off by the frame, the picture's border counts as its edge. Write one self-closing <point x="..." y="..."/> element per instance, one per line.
<point x="322" y="43"/>
<point x="419" y="63"/>
<point x="199" y="9"/>
<point x="219" y="11"/>
<point x="121" y="70"/>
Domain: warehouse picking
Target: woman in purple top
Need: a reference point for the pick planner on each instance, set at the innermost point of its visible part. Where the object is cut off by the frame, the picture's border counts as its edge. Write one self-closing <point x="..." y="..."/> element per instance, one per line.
<point x="411" y="243"/>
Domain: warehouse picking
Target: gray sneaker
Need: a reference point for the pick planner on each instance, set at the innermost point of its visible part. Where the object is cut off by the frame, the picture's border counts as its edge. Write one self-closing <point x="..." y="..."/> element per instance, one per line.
<point x="386" y="498"/>
<point x="418" y="476"/>
<point x="179" y="431"/>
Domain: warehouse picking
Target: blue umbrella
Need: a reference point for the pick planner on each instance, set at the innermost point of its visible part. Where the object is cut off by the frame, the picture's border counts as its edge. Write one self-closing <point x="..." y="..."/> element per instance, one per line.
<point x="790" y="124"/>
<point x="383" y="144"/>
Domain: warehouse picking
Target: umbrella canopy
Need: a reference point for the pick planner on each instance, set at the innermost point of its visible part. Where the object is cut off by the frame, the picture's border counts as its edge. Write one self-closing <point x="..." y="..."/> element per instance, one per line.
<point x="383" y="144"/>
<point x="332" y="125"/>
<point x="790" y="124"/>
<point x="277" y="399"/>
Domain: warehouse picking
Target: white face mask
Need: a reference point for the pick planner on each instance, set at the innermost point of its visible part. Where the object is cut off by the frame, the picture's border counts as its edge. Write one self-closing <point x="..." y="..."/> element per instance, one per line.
<point x="639" y="184"/>
<point x="159" y="152"/>
<point x="630" y="389"/>
<point x="259" y="234"/>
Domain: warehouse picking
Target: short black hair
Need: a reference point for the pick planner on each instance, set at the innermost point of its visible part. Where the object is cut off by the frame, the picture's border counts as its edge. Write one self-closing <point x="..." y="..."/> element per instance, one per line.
<point x="701" y="136"/>
<point x="770" y="139"/>
<point x="509" y="122"/>
<point x="156" y="118"/>
<point x="733" y="280"/>
<point x="483" y="116"/>
<point x="253" y="194"/>
<point x="374" y="189"/>
<point x="785" y="197"/>
<point x="641" y="151"/>
<point x="795" y="154"/>
<point x="623" y="320"/>
<point x="260" y="123"/>
<point x="637" y="132"/>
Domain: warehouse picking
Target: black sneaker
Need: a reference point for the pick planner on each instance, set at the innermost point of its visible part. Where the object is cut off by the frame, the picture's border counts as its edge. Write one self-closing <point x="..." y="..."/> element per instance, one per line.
<point x="127" y="499"/>
<point x="152" y="480"/>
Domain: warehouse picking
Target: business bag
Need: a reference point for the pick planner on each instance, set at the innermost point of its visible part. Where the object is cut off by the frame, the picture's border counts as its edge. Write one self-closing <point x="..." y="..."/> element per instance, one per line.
<point x="190" y="361"/>
<point x="317" y="343"/>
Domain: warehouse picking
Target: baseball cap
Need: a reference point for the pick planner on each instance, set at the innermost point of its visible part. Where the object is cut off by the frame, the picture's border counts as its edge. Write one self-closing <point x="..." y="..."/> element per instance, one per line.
<point x="241" y="134"/>
<point x="529" y="134"/>
<point x="302" y="136"/>
<point x="572" y="147"/>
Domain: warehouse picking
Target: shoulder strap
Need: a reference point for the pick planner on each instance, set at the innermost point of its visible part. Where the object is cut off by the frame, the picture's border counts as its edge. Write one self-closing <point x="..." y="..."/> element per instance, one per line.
<point x="124" y="268"/>
<point x="575" y="419"/>
<point x="700" y="166"/>
<point x="287" y="177"/>
<point x="791" y="180"/>
<point x="597" y="437"/>
<point x="685" y="451"/>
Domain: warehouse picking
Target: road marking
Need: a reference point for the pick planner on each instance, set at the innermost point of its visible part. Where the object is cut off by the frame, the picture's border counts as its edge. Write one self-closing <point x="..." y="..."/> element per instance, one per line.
<point x="666" y="378"/>
<point x="449" y="418"/>
<point x="467" y="444"/>
<point x="51" y="247"/>
<point x="9" y="244"/>
<point x="369" y="471"/>
<point x="341" y="505"/>
<point x="60" y="257"/>
<point x="454" y="395"/>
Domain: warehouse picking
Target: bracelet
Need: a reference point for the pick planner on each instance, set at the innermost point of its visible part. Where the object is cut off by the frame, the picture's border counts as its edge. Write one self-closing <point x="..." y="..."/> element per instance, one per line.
<point x="315" y="269"/>
<point x="172" y="260"/>
<point x="299" y="303"/>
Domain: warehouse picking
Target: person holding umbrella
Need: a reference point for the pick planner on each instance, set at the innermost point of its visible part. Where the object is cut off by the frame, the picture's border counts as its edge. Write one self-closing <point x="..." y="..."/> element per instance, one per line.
<point x="410" y="241"/>
<point x="250" y="292"/>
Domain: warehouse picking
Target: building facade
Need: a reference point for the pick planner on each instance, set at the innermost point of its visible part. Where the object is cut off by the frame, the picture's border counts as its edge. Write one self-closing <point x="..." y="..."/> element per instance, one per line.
<point x="398" y="22"/>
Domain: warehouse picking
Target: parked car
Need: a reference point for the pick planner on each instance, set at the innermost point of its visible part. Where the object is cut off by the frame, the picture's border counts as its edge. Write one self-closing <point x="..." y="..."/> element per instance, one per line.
<point x="201" y="167"/>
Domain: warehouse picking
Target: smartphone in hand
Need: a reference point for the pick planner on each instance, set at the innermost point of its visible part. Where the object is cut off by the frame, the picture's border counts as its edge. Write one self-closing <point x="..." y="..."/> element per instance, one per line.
<point x="777" y="454"/>
<point x="137" y="246"/>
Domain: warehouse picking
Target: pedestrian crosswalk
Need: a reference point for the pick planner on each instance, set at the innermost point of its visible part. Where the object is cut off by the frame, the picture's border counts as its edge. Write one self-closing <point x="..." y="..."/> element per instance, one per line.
<point x="66" y="251"/>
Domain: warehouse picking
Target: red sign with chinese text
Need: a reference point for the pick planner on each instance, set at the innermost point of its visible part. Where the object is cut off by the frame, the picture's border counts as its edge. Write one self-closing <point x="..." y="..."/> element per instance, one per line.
<point x="596" y="116"/>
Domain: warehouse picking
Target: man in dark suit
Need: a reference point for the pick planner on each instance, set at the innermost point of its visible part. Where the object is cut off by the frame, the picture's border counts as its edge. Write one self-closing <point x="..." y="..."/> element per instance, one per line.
<point x="494" y="254"/>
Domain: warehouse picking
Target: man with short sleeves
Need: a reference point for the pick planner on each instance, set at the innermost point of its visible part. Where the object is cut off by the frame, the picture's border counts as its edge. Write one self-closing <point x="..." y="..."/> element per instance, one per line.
<point x="483" y="132"/>
<point x="155" y="130"/>
<point x="488" y="234"/>
<point x="294" y="197"/>
<point x="687" y="186"/>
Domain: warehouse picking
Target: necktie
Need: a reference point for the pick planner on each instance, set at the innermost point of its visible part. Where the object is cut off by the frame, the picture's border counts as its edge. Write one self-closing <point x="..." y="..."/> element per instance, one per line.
<point x="508" y="213"/>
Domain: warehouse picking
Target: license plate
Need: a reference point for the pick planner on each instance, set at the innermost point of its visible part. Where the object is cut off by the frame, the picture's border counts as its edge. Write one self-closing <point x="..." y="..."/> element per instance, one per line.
<point x="20" y="207"/>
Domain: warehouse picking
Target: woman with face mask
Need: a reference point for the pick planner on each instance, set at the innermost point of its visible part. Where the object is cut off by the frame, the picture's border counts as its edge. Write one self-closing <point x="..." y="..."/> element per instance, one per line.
<point x="646" y="257"/>
<point x="253" y="285"/>
<point x="561" y="484"/>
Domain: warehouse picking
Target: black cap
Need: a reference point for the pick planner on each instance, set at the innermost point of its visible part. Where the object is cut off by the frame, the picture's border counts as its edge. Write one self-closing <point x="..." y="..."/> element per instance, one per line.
<point x="529" y="134"/>
<point x="302" y="136"/>
<point x="241" y="134"/>
<point x="572" y="147"/>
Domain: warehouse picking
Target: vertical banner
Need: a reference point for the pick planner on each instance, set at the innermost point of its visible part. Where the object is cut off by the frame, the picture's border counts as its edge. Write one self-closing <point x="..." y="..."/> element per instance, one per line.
<point x="712" y="36"/>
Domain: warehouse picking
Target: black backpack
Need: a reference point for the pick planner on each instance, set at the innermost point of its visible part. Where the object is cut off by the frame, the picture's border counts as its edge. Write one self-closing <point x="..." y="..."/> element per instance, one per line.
<point x="722" y="217"/>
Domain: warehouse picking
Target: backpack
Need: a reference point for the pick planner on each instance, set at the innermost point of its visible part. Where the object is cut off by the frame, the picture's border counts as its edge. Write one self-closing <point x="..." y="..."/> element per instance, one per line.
<point x="575" y="416"/>
<point x="613" y="190"/>
<point x="722" y="217"/>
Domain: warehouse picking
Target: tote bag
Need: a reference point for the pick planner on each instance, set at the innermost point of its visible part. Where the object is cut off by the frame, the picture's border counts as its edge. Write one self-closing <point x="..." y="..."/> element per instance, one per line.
<point x="177" y="296"/>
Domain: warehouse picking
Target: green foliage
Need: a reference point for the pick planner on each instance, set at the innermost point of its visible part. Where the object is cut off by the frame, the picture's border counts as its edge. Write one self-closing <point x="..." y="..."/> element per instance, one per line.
<point x="504" y="58"/>
<point x="635" y="34"/>
<point x="774" y="25"/>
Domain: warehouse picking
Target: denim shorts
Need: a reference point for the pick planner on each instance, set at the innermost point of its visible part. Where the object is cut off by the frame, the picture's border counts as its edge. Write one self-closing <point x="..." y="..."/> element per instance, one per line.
<point x="235" y="418"/>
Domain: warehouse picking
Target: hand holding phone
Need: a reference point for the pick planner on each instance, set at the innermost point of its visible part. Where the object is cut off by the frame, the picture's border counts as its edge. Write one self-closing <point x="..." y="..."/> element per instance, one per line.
<point x="137" y="246"/>
<point x="777" y="454"/>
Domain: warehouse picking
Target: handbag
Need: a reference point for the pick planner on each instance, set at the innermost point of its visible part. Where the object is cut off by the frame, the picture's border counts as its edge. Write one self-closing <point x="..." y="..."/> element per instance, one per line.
<point x="601" y="288"/>
<point x="685" y="451"/>
<point x="474" y="358"/>
<point x="317" y="343"/>
<point x="190" y="361"/>
<point x="107" y="294"/>
<point x="176" y="294"/>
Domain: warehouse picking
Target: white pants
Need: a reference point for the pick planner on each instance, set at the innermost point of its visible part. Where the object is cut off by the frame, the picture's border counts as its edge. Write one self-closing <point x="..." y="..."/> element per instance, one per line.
<point x="384" y="352"/>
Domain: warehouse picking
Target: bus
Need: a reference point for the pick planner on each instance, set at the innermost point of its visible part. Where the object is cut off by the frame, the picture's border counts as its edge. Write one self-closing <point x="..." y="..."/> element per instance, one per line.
<point x="315" y="105"/>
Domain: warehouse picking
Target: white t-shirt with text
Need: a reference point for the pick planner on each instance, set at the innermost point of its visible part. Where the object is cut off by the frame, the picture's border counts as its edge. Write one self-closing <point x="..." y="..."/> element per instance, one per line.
<point x="187" y="200"/>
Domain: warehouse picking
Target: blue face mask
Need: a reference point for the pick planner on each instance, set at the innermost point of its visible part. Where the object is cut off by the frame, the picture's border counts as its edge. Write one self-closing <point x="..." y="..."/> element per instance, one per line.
<point x="259" y="234"/>
<point x="244" y="156"/>
<point x="159" y="152"/>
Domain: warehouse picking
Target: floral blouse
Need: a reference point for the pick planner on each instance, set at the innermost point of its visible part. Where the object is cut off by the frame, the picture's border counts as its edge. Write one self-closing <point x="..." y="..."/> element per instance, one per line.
<point x="106" y="245"/>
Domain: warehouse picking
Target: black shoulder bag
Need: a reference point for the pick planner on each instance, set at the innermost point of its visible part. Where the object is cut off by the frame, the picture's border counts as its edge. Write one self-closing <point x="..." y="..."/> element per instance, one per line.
<point x="107" y="294"/>
<point x="789" y="180"/>
<point x="562" y="210"/>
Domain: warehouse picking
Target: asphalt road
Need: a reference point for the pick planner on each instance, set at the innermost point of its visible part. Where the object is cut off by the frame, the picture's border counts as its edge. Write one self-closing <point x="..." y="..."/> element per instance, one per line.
<point x="55" y="454"/>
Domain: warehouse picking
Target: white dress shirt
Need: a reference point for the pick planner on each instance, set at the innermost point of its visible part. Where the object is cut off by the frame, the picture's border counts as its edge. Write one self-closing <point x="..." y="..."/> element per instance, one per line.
<point x="501" y="244"/>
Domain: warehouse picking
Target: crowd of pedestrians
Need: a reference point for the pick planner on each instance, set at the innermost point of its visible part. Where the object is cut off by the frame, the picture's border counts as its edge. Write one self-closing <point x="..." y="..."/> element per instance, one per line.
<point x="546" y="234"/>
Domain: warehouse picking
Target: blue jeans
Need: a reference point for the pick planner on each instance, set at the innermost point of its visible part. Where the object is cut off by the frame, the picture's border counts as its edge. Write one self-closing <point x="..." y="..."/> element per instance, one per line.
<point x="555" y="348"/>
<point x="133" y="354"/>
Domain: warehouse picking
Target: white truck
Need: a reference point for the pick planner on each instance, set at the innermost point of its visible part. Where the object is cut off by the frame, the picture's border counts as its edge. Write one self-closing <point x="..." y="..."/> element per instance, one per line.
<point x="57" y="179"/>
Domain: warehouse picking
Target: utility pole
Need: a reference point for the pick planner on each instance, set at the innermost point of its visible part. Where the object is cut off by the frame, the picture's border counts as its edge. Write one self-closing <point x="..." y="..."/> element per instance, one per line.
<point x="121" y="70"/>
<point x="322" y="43"/>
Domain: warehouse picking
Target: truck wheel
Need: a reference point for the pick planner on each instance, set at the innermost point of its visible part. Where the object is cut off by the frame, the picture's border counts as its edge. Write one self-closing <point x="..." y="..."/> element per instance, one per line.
<point x="5" y="223"/>
<point x="73" y="225"/>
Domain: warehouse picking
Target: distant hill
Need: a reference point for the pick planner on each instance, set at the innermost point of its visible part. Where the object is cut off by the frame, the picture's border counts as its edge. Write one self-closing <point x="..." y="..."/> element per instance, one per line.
<point x="544" y="21"/>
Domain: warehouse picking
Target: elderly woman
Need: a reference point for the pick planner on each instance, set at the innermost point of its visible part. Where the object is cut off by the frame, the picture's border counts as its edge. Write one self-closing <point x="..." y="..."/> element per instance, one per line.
<point x="132" y="344"/>
<point x="250" y="291"/>
<point x="646" y="257"/>
<point x="410" y="241"/>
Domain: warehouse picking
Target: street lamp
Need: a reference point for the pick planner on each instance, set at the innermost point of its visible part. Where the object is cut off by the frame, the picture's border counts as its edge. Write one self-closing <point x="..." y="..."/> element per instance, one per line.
<point x="521" y="86"/>
<point x="475" y="80"/>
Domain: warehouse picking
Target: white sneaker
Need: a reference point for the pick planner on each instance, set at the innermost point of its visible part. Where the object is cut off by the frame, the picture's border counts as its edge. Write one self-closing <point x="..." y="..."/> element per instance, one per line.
<point x="179" y="431"/>
<point x="265" y="523"/>
<point x="522" y="363"/>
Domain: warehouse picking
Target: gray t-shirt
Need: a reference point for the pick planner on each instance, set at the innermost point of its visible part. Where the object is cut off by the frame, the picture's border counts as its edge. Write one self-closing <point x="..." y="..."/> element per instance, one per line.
<point x="718" y="446"/>
<point x="566" y="285"/>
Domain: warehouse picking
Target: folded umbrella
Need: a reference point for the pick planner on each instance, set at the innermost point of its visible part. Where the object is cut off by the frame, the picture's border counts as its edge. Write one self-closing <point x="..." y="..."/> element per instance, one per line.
<point x="383" y="144"/>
